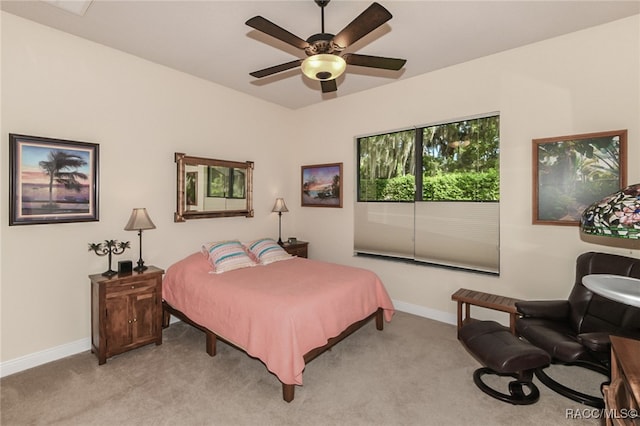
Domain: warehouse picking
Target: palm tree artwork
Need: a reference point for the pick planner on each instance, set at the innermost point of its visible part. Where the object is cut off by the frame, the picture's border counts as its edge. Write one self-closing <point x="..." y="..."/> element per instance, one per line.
<point x="52" y="180"/>
<point x="62" y="168"/>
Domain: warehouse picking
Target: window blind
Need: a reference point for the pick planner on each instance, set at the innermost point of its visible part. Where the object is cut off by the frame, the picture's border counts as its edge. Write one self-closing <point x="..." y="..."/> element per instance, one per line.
<point x="456" y="234"/>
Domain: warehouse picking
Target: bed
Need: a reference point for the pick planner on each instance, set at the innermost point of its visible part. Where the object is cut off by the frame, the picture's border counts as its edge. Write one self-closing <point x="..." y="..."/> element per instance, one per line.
<point x="284" y="313"/>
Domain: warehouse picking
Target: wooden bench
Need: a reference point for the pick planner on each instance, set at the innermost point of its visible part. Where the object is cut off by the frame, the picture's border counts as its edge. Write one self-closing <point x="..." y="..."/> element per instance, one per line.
<point x="466" y="298"/>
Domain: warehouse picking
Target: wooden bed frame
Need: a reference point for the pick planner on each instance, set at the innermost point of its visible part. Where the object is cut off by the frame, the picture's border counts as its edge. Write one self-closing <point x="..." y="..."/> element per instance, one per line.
<point x="288" y="390"/>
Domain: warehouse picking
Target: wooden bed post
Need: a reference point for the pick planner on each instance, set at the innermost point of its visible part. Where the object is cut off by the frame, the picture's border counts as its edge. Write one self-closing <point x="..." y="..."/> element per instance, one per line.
<point x="166" y="316"/>
<point x="380" y="319"/>
<point x="288" y="392"/>
<point x="211" y="343"/>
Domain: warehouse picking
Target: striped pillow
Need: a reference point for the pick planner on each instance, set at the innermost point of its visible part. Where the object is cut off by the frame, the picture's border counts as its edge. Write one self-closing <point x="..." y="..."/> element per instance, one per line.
<point x="266" y="250"/>
<point x="227" y="255"/>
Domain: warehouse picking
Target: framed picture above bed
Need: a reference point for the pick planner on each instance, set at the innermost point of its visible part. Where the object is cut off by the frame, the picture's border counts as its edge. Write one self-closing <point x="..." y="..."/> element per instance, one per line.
<point x="52" y="180"/>
<point x="572" y="172"/>
<point x="322" y="185"/>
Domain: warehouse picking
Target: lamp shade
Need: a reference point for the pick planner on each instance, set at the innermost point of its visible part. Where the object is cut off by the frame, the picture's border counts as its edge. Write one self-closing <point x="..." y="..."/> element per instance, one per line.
<point x="139" y="220"/>
<point x="280" y="206"/>
<point x="324" y="66"/>
<point x="617" y="215"/>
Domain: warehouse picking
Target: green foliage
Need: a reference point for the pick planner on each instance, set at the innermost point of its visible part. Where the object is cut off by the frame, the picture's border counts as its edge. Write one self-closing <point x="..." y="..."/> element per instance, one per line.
<point x="587" y="193"/>
<point x="463" y="146"/>
<point x="553" y="204"/>
<point x="443" y="187"/>
<point x="371" y="189"/>
<point x="459" y="162"/>
<point x="387" y="155"/>
<point x="466" y="186"/>
<point x="401" y="188"/>
<point x="469" y="186"/>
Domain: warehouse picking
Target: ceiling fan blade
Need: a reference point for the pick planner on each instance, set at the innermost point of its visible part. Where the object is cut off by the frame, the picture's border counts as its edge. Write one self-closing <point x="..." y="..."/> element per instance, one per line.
<point x="276" y="69"/>
<point x="328" y="86"/>
<point x="374" y="16"/>
<point x="374" y="61"/>
<point x="264" y="25"/>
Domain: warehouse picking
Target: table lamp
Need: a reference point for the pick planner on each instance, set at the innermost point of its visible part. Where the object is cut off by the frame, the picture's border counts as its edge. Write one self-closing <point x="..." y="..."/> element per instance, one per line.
<point x="139" y="221"/>
<point x="280" y="207"/>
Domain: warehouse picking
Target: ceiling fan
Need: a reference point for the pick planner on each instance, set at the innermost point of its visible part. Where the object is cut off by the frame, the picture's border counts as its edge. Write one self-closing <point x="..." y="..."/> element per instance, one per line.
<point x="324" y="61"/>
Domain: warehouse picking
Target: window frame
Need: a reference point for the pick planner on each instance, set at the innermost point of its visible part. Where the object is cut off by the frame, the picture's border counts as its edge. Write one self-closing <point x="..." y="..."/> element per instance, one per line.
<point x="418" y="151"/>
<point x="362" y="243"/>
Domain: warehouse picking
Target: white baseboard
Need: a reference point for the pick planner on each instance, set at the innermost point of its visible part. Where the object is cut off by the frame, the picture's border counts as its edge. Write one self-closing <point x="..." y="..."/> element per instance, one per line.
<point x="421" y="311"/>
<point x="38" y="358"/>
<point x="53" y="354"/>
<point x="48" y="355"/>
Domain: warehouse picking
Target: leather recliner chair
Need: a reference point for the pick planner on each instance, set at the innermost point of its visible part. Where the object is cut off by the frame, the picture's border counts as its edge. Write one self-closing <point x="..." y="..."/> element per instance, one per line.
<point x="576" y="331"/>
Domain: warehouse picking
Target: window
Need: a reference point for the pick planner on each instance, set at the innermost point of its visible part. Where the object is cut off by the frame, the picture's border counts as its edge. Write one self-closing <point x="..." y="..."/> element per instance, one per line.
<point x="447" y="213"/>
<point x="225" y="182"/>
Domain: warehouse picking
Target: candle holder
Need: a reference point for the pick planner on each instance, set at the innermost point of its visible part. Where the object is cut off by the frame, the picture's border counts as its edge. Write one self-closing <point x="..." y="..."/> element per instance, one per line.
<point x="110" y="248"/>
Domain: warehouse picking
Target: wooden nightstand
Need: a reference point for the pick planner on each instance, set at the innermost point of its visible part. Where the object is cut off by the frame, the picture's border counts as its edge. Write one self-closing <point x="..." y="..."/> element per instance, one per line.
<point x="299" y="248"/>
<point x="126" y="312"/>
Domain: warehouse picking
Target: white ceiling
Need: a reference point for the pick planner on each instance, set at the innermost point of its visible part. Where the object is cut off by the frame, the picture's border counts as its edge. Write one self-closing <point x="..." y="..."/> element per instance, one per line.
<point x="209" y="39"/>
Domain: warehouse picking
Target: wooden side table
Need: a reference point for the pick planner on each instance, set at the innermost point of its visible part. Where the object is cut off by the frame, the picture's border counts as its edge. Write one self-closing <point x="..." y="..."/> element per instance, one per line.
<point x="299" y="248"/>
<point x="622" y="396"/>
<point x="126" y="312"/>
<point x="466" y="298"/>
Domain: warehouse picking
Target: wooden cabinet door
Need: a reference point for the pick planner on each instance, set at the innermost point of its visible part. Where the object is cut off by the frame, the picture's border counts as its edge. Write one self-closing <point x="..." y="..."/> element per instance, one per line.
<point x="130" y="317"/>
<point x="144" y="307"/>
<point x="118" y="325"/>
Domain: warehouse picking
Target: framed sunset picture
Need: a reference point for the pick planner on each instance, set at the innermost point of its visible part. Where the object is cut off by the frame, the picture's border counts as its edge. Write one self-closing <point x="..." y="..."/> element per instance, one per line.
<point x="322" y="185"/>
<point x="52" y="180"/>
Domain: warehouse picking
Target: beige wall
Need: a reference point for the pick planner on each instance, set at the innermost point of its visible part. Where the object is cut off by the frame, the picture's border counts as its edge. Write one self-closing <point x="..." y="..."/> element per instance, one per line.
<point x="584" y="82"/>
<point x="57" y="85"/>
<point x="140" y="113"/>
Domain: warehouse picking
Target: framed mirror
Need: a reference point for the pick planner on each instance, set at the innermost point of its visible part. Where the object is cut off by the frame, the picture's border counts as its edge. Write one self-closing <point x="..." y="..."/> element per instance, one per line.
<point x="207" y="188"/>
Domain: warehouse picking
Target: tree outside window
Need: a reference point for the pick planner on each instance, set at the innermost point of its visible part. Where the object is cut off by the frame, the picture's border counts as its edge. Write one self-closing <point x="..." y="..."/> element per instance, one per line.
<point x="459" y="162"/>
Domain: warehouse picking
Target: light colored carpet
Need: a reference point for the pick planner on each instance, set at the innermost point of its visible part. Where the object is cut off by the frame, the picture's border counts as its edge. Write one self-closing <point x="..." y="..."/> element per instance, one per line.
<point x="415" y="372"/>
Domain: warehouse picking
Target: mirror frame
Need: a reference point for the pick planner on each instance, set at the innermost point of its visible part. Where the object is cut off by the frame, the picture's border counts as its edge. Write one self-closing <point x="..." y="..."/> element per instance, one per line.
<point x="182" y="214"/>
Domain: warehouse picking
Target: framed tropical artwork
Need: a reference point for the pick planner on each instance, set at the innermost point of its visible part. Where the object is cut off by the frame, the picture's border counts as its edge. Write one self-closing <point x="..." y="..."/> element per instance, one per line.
<point x="52" y="180"/>
<point x="322" y="185"/>
<point x="572" y="172"/>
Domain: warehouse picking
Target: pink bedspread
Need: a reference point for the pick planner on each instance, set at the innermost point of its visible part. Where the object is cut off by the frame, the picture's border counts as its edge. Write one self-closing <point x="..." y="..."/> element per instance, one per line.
<point x="276" y="312"/>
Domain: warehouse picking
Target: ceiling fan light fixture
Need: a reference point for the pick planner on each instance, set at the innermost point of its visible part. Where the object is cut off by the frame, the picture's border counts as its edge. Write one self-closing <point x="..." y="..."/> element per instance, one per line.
<point x="324" y="66"/>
